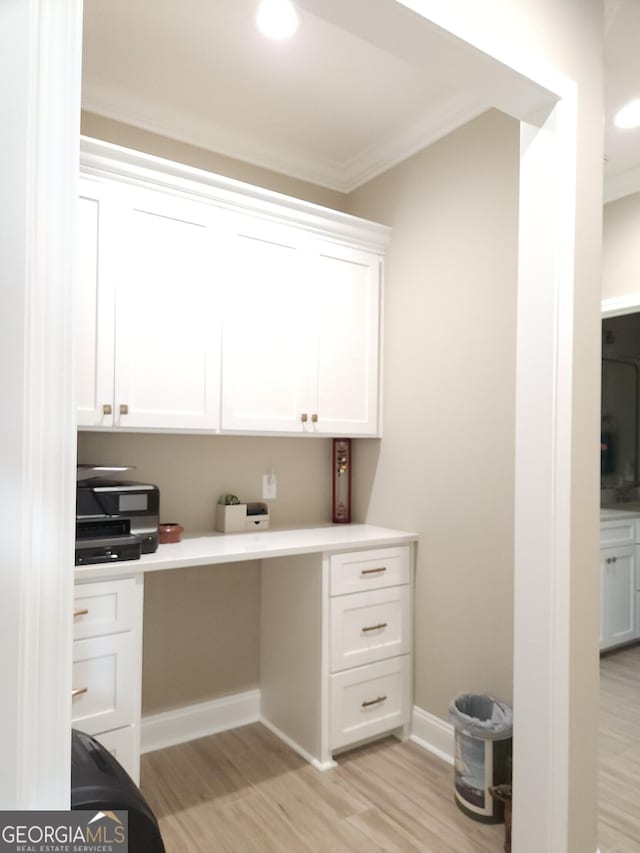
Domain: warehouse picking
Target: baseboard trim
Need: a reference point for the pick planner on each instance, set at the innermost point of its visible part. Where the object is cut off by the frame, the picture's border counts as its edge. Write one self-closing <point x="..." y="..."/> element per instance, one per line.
<point x="319" y="765"/>
<point x="433" y="734"/>
<point x="193" y="721"/>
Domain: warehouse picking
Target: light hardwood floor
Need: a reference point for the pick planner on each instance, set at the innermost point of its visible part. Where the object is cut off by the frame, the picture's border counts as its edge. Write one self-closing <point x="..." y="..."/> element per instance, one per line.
<point x="244" y="791"/>
<point x="619" y="806"/>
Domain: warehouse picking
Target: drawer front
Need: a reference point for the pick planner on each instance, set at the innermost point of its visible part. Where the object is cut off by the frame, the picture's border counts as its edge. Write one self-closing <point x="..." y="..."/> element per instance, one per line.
<point x="369" y="700"/>
<point x="104" y="670"/>
<point x="370" y="626"/>
<point x="105" y="607"/>
<point x="620" y="532"/>
<point x="123" y="745"/>
<point x="359" y="571"/>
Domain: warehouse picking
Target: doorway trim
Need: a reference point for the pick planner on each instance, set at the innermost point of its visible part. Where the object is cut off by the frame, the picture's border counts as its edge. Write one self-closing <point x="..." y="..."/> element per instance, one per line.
<point x="543" y="487"/>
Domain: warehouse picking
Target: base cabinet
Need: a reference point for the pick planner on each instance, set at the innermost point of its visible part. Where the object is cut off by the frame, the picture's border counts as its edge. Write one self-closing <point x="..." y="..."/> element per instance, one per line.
<point x="107" y="666"/>
<point x="336" y="648"/>
<point x="618" y="595"/>
<point x="619" y="581"/>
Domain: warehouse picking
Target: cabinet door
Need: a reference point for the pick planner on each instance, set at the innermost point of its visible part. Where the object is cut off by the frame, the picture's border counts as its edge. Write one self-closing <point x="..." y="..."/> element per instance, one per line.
<point x="167" y="317"/>
<point x="618" y="567"/>
<point x="265" y="340"/>
<point x="94" y="304"/>
<point x="346" y="315"/>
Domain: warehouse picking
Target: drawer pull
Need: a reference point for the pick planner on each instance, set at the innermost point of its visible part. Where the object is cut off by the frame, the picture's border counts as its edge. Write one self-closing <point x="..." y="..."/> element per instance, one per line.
<point x="82" y="612"/>
<point x="374" y="701"/>
<point x="78" y="691"/>
<point x="377" y="627"/>
<point x="374" y="571"/>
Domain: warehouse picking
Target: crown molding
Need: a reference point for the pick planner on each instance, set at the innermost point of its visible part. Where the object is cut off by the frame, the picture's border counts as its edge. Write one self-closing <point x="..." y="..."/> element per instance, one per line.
<point x="345" y="177"/>
<point x="202" y="132"/>
<point x="410" y="139"/>
<point x="622" y="184"/>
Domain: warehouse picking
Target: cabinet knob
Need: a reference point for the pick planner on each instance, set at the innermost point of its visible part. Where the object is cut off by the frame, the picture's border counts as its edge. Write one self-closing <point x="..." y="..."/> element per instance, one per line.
<point x="82" y="612"/>
<point x="304" y="417"/>
<point x="107" y="409"/>
<point x="314" y="418"/>
<point x="124" y="409"/>
<point x="613" y="559"/>
<point x="78" y="691"/>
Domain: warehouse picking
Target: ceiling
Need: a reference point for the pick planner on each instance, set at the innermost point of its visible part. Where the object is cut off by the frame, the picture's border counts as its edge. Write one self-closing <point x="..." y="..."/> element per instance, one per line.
<point x="327" y="106"/>
<point x="621" y="84"/>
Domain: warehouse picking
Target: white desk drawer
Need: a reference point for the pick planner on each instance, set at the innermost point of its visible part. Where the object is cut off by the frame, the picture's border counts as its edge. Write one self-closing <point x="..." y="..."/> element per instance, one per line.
<point x="104" y="670"/>
<point x="123" y="745"/>
<point x="104" y="607"/>
<point x="370" y="626"/>
<point x="369" y="700"/>
<point x="359" y="571"/>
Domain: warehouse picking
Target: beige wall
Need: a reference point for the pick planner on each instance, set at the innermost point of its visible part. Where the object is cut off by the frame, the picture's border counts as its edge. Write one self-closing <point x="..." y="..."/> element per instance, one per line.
<point x="201" y="625"/>
<point x="445" y="466"/>
<point x="117" y="133"/>
<point x="621" y="247"/>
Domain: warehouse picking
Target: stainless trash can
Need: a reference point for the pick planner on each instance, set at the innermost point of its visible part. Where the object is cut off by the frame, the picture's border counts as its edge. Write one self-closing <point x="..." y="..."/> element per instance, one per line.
<point x="483" y="739"/>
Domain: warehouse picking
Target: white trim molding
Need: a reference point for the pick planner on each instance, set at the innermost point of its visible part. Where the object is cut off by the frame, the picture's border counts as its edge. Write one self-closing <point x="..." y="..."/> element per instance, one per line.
<point x="155" y="117"/>
<point x="169" y="728"/>
<point x="319" y="765"/>
<point x="433" y="734"/>
<point x="40" y="53"/>
<point x="103" y="160"/>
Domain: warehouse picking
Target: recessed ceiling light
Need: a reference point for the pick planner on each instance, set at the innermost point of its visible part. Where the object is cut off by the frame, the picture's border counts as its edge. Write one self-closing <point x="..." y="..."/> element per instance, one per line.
<point x="277" y="19"/>
<point x="629" y="115"/>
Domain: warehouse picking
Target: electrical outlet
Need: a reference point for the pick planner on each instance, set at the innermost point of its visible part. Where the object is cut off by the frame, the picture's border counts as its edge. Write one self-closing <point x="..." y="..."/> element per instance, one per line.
<point x="269" y="484"/>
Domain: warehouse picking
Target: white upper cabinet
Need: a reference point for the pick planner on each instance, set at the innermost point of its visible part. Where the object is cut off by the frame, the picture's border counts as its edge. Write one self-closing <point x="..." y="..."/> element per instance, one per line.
<point x="147" y="317"/>
<point x="207" y="304"/>
<point x="300" y="335"/>
<point x="167" y="338"/>
<point x="264" y="339"/>
<point x="94" y="307"/>
<point x="346" y="314"/>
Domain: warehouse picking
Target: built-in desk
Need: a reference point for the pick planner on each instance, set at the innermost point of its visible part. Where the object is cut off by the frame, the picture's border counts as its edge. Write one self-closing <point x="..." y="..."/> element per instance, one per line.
<point x="335" y="635"/>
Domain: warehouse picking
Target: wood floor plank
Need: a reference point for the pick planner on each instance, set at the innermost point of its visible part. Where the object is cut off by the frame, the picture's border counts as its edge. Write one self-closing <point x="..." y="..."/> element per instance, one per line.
<point x="246" y="791"/>
<point x="619" y="782"/>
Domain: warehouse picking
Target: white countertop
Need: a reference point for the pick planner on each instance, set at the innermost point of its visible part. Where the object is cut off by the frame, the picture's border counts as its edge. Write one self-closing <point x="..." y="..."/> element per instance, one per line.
<point x="621" y="510"/>
<point x="214" y="548"/>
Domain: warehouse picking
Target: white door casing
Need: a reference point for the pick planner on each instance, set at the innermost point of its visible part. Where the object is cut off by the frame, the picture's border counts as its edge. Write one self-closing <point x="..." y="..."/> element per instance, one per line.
<point x="40" y="56"/>
<point x="541" y="682"/>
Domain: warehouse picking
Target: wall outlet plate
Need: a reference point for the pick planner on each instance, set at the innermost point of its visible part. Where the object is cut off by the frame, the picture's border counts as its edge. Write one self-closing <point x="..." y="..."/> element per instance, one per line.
<point x="269" y="487"/>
